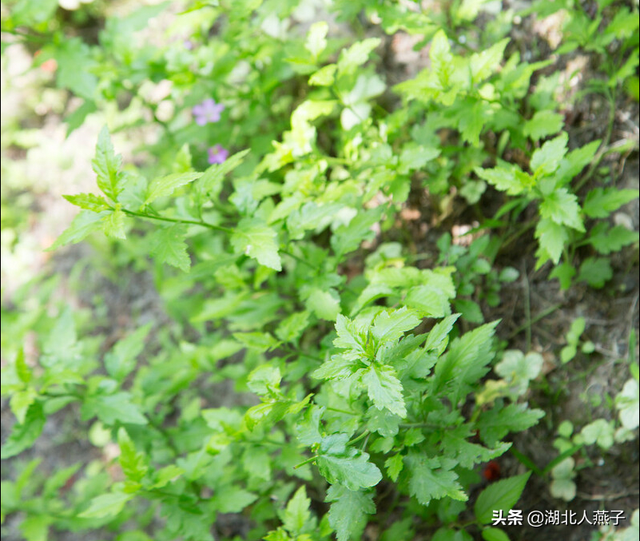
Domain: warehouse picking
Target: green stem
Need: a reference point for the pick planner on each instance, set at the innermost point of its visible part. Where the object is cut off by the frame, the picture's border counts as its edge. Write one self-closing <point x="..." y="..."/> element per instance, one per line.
<point x="178" y="221"/>
<point x="312" y="459"/>
<point x="360" y="437"/>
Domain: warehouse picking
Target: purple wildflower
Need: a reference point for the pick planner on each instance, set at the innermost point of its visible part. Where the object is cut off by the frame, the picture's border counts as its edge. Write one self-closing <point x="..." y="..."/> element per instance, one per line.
<point x="207" y="111"/>
<point x="217" y="154"/>
<point x="188" y="44"/>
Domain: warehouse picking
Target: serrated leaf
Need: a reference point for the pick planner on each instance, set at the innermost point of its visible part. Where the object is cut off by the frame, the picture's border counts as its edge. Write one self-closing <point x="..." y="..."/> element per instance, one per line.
<point x="502" y="178"/>
<point x="483" y="64"/>
<point x="214" y="175"/>
<point x="297" y="512"/>
<point x="606" y="240"/>
<point x="292" y="326"/>
<point x="496" y="423"/>
<point x="543" y="124"/>
<point x="501" y="495"/>
<point x="88" y="201"/>
<point x="348" y="511"/>
<point x="259" y="341"/>
<point x="23" y="435"/>
<point x="316" y="39"/>
<point x="346" y="465"/>
<point x="552" y="238"/>
<point x="596" y="271"/>
<point x="324" y="304"/>
<point x="74" y="67"/>
<point x="394" y="465"/>
<point x="133" y="463"/>
<point x="165" y="186"/>
<point x="113" y="224"/>
<point x="601" y="202"/>
<point x="113" y="408"/>
<point x="231" y="499"/>
<point x="440" y="332"/>
<point x="546" y="159"/>
<point x="106" y="165"/>
<point x="23" y="371"/>
<point x="389" y="326"/>
<point x="356" y="55"/>
<point x="325" y="76"/>
<point x="120" y="361"/>
<point x="432" y="480"/>
<point x="562" y="207"/>
<point x="106" y="505"/>
<point x="384" y="389"/>
<point x="257" y="240"/>
<point x="85" y="223"/>
<point x="168" y="246"/>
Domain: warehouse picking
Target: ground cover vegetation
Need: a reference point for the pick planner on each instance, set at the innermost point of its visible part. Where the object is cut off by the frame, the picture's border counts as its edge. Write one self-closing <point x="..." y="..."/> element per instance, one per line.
<point x="343" y="211"/>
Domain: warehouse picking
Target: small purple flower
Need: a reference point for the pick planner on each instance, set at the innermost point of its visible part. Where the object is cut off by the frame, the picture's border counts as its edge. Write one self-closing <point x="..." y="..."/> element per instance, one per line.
<point x="188" y="44"/>
<point x="207" y="111"/>
<point x="217" y="154"/>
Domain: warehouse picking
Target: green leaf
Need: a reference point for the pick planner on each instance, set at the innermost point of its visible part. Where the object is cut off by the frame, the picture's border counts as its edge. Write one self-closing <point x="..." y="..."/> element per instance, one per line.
<point x="627" y="402"/>
<point x="292" y="326"/>
<point x="348" y="511"/>
<point x="106" y="505"/>
<point x="36" y="527"/>
<point x="232" y="499"/>
<point x="316" y="39"/>
<point x="120" y="361"/>
<point x="168" y="246"/>
<point x="113" y="224"/>
<point x="603" y="201"/>
<point x="23" y="371"/>
<point x="259" y="341"/>
<point x="356" y="55"/>
<point x="547" y="159"/>
<point x="257" y="241"/>
<point x="384" y="389"/>
<point x="503" y="178"/>
<point x="165" y="186"/>
<point x="543" y="124"/>
<point x="75" y="67"/>
<point x="599" y="431"/>
<point x="485" y="63"/>
<point x="552" y="238"/>
<point x="324" y="304"/>
<point x="596" y="271"/>
<point x="389" y="326"/>
<point x="496" y="423"/>
<point x="416" y="157"/>
<point x="85" y="223"/>
<point x="494" y="534"/>
<point x="106" y="165"/>
<point x="606" y="240"/>
<point x="23" y="435"/>
<point x="439" y="333"/>
<point x="324" y="76"/>
<point x="432" y="479"/>
<point x="213" y="176"/>
<point x="562" y="207"/>
<point x="350" y="467"/>
<point x="113" y="408"/>
<point x="88" y="201"/>
<point x="501" y="495"/>
<point x="134" y="464"/>
<point x="564" y="273"/>
<point x="297" y="514"/>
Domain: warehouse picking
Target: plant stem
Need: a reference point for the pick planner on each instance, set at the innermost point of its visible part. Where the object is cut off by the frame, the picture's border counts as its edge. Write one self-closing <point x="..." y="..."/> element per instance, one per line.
<point x="178" y="221"/>
<point x="313" y="458"/>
